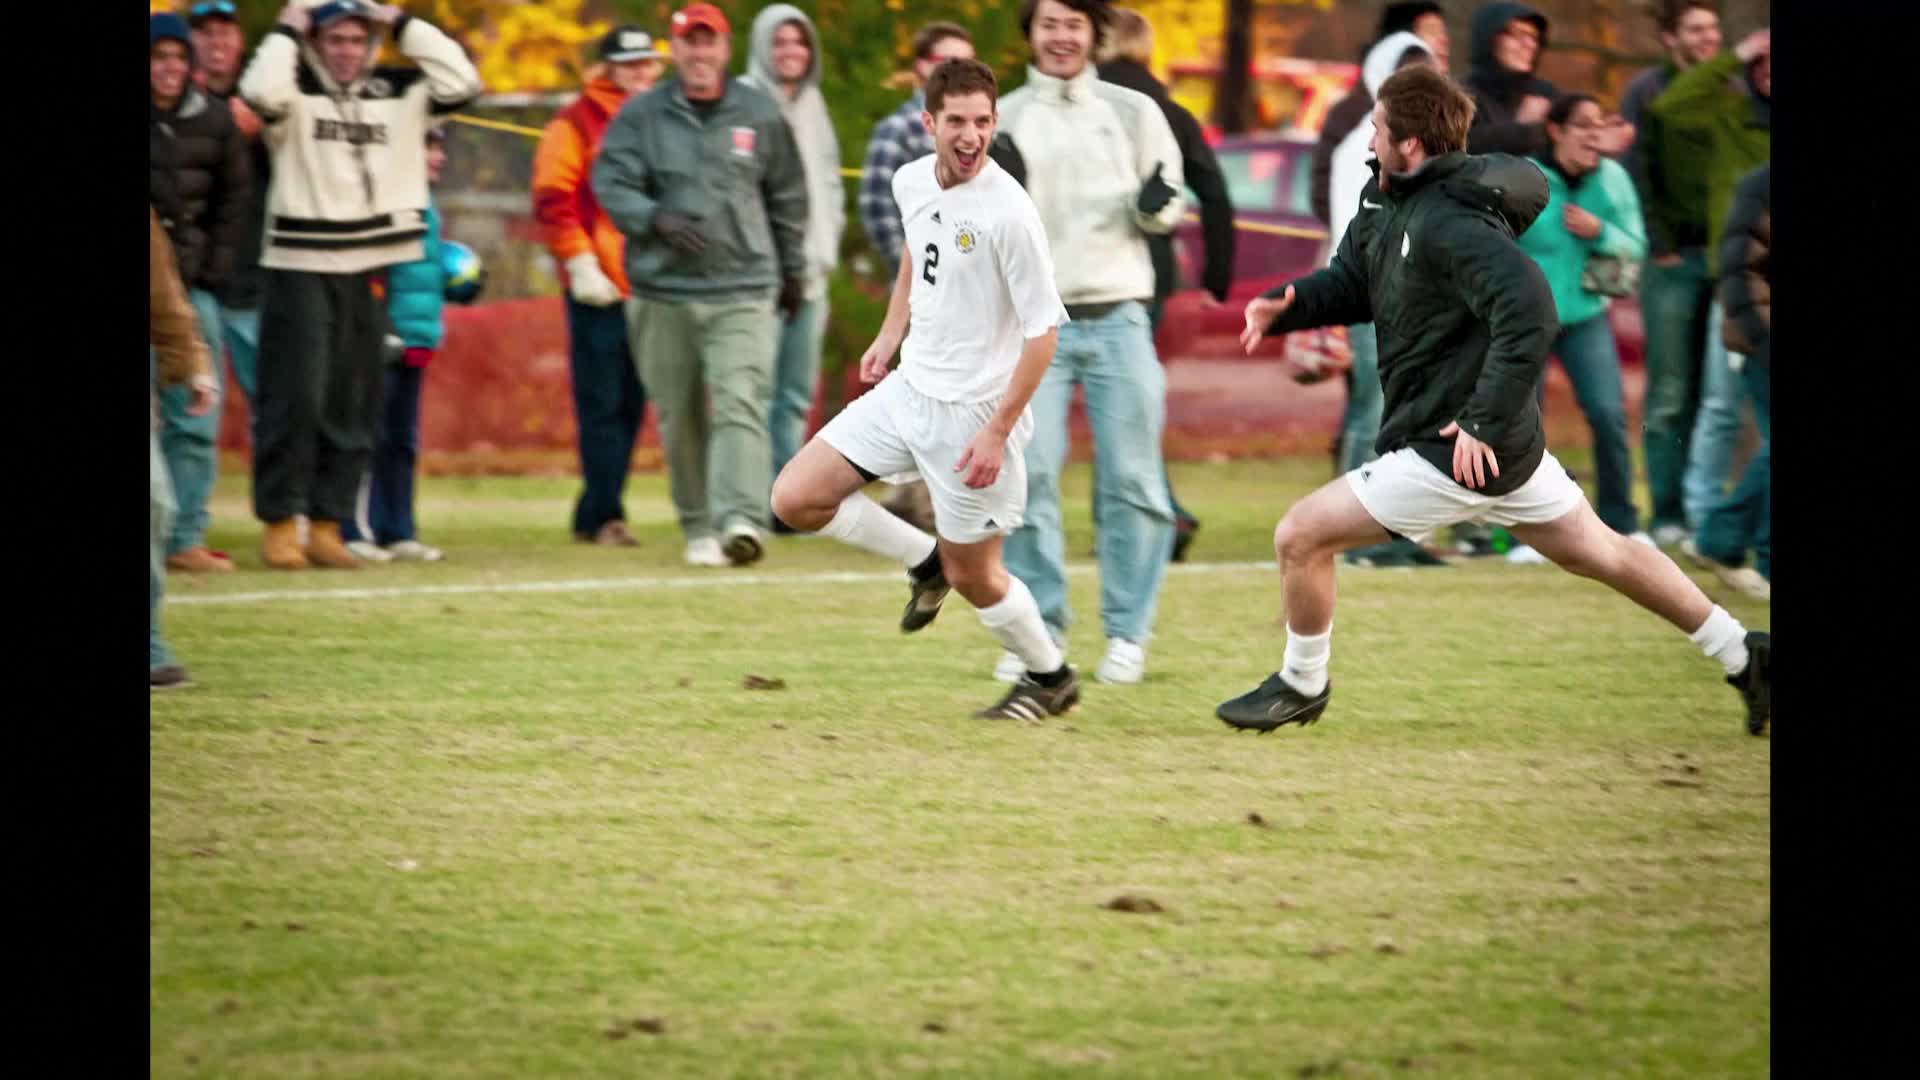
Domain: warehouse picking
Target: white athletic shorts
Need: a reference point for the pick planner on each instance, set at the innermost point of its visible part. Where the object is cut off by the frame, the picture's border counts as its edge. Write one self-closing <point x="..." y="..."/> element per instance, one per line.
<point x="1408" y="496"/>
<point x="896" y="432"/>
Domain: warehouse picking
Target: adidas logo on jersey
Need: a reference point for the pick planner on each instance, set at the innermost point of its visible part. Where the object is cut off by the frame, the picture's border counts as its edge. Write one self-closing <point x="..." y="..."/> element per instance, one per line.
<point x="936" y="217"/>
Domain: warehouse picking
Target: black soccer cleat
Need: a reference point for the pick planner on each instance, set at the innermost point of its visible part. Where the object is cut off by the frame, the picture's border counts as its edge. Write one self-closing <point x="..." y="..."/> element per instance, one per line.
<point x="1755" y="681"/>
<point x="1183" y="532"/>
<point x="1273" y="704"/>
<point x="925" y="602"/>
<point x="1029" y="702"/>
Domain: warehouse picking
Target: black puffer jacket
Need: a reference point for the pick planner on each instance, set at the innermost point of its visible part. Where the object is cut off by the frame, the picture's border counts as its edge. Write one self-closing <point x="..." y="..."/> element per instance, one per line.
<point x="200" y="181"/>
<point x="1202" y="171"/>
<point x="248" y="282"/>
<point x="1497" y="92"/>
<point x="1465" y="318"/>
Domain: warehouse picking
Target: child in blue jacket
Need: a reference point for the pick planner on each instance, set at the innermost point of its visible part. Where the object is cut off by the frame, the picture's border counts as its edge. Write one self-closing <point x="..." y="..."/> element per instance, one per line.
<point x="416" y="293"/>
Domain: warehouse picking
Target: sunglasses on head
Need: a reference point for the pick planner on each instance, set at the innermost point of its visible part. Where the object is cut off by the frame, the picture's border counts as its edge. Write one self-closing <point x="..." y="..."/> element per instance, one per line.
<point x="209" y="8"/>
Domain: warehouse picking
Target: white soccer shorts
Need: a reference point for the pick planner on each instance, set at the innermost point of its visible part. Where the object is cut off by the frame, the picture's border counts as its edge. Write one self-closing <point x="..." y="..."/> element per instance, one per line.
<point x="896" y="432"/>
<point x="1408" y="496"/>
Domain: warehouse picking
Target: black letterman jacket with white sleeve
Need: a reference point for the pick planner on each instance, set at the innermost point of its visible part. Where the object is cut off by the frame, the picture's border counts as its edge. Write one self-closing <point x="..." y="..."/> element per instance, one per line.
<point x="349" y="190"/>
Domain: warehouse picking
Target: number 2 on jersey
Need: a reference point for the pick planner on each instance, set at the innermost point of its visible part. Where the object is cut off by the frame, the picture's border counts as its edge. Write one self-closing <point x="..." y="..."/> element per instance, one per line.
<point x="933" y="260"/>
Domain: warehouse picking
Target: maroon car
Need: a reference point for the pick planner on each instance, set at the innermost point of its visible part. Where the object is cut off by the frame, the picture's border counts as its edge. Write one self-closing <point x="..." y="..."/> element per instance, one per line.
<point x="1269" y="179"/>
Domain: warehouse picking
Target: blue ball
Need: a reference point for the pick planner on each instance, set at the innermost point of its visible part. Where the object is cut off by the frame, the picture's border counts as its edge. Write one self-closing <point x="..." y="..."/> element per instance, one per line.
<point x="466" y="275"/>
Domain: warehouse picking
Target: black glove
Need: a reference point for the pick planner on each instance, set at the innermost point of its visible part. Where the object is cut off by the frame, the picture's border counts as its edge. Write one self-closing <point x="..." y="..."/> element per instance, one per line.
<point x="1155" y="194"/>
<point x="792" y="295"/>
<point x="679" y="230"/>
<point x="1003" y="151"/>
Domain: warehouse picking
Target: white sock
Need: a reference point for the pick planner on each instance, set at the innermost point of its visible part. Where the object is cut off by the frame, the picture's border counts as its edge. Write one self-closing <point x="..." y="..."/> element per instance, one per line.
<point x="870" y="527"/>
<point x="1723" y="638"/>
<point x="1304" y="665"/>
<point x="1016" y="621"/>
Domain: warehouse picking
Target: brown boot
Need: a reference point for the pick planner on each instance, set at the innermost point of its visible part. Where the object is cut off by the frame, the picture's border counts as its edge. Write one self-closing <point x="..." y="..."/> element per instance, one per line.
<point x="281" y="549"/>
<point x="325" y="548"/>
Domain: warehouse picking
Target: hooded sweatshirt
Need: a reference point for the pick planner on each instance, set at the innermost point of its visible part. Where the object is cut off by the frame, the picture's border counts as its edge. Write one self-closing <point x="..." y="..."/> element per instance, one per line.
<point x="349" y="187"/>
<point x="1497" y="92"/>
<point x="199" y="179"/>
<point x="806" y="113"/>
<point x="1350" y="172"/>
<point x="1351" y="111"/>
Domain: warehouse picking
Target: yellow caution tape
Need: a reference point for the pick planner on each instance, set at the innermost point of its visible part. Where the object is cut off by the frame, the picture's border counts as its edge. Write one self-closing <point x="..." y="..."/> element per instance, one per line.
<point x="1249" y="226"/>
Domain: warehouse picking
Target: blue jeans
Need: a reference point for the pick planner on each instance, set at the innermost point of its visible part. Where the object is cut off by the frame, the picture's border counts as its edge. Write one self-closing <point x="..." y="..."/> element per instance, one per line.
<point x="159" y="515"/>
<point x="1112" y="357"/>
<point x="608" y="408"/>
<point x="1592" y="363"/>
<point x="796" y="374"/>
<point x="242" y="329"/>
<point x="1367" y="401"/>
<point x="1715" y="428"/>
<point x="1744" y="519"/>
<point x="386" y="507"/>
<point x="1673" y="308"/>
<point x="187" y="443"/>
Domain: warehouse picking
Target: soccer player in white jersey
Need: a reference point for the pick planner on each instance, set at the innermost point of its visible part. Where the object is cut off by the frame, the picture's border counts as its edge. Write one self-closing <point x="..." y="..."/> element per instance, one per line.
<point x="976" y="287"/>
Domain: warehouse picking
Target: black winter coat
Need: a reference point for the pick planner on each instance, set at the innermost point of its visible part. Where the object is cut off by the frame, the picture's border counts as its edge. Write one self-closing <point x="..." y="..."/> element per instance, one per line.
<point x="1497" y="92"/>
<point x="1465" y="318"/>
<point x="199" y="181"/>
<point x="247" y="284"/>
<point x="1203" y="174"/>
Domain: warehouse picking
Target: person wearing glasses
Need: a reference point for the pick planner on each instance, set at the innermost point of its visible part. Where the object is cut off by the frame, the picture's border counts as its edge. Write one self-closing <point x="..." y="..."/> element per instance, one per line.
<point x="1587" y="241"/>
<point x="349" y="199"/>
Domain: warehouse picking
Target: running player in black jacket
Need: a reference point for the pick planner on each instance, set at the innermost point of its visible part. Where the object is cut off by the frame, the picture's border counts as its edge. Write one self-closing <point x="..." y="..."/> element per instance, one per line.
<point x="1465" y="322"/>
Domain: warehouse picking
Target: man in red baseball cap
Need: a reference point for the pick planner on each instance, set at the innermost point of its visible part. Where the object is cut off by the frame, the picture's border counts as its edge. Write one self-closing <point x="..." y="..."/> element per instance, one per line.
<point x="704" y="180"/>
<point x="695" y="16"/>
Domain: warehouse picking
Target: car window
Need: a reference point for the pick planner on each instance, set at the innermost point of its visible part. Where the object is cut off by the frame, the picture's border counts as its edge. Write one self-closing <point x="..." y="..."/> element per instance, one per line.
<point x="1267" y="180"/>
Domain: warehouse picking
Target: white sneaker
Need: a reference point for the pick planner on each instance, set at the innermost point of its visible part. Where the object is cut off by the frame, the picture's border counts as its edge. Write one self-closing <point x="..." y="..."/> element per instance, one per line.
<point x="368" y="551"/>
<point x="1126" y="663"/>
<point x="1669" y="535"/>
<point x="1746" y="581"/>
<point x="1523" y="555"/>
<point x="1642" y="537"/>
<point x="705" y="552"/>
<point x="414" y="551"/>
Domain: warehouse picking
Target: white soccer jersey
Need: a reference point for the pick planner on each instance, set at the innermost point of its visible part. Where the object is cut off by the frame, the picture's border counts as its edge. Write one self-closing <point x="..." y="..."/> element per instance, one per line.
<point x="982" y="281"/>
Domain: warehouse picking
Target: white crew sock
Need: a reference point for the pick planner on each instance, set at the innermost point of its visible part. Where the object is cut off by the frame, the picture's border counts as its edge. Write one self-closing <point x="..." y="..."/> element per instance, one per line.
<point x="870" y="527"/>
<point x="1723" y="638"/>
<point x="1016" y="621"/>
<point x="1304" y="665"/>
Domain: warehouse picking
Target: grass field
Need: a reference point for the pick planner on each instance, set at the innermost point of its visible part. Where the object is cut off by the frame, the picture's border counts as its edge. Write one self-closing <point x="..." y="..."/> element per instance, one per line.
<point x="547" y="832"/>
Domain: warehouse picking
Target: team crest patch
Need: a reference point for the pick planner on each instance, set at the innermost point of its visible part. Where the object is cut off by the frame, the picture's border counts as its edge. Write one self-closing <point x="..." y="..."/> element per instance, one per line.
<point x="743" y="141"/>
<point x="379" y="88"/>
<point x="966" y="237"/>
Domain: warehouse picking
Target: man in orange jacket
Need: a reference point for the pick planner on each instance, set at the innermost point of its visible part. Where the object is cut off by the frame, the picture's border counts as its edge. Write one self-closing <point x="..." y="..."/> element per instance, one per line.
<point x="608" y="400"/>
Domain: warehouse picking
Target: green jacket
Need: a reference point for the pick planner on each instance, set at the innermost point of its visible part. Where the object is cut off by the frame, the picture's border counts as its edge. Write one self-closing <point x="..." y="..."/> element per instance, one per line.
<point x="1606" y="193"/>
<point x="1669" y="166"/>
<point x="737" y="170"/>
<point x="1741" y="128"/>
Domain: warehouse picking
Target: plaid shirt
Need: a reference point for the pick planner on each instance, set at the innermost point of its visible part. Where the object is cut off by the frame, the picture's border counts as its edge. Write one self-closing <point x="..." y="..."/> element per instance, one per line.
<point x="897" y="139"/>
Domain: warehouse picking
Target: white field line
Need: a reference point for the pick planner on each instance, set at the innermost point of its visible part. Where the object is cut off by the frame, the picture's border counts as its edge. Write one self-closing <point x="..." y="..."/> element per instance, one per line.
<point x="717" y="579"/>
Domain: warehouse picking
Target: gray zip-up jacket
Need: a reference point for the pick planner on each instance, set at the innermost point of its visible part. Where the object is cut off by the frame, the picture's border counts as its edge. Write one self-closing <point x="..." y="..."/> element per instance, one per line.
<point x="735" y="168"/>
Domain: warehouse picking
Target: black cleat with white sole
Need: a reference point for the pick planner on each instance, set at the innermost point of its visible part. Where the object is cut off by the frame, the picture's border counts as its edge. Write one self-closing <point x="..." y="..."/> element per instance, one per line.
<point x="1029" y="702"/>
<point x="1755" y="681"/>
<point x="925" y="602"/>
<point x="1273" y="704"/>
